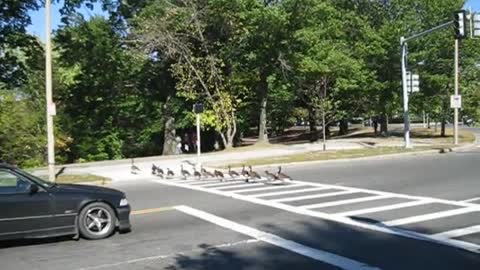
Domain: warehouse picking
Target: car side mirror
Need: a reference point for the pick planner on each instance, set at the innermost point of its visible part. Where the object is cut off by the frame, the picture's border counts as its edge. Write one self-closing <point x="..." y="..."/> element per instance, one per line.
<point x="33" y="189"/>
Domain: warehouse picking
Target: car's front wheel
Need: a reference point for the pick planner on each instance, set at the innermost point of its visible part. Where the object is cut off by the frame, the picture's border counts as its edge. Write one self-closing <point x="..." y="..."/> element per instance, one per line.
<point x="96" y="221"/>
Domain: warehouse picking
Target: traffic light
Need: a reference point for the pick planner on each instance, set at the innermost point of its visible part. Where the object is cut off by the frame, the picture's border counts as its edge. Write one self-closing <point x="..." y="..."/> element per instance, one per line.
<point x="476" y="25"/>
<point x="459" y="24"/>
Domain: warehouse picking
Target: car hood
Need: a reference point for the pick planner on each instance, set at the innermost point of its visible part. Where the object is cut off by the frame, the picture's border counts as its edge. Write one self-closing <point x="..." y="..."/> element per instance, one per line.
<point x="88" y="188"/>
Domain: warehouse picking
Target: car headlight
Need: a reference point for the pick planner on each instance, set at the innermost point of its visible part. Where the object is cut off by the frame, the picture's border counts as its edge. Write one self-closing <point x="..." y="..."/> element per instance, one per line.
<point x="123" y="202"/>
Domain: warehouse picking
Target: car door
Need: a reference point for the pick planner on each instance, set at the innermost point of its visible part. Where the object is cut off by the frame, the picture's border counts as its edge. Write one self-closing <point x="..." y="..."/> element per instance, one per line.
<point x="23" y="212"/>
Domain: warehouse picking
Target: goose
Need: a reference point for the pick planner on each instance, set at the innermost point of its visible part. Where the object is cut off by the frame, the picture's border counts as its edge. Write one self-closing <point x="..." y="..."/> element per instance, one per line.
<point x="133" y="168"/>
<point x="154" y="169"/>
<point x="271" y="176"/>
<point x="281" y="175"/>
<point x="254" y="175"/>
<point x="160" y="172"/>
<point x="170" y="173"/>
<point x="232" y="174"/>
<point x="206" y="173"/>
<point x="218" y="174"/>
<point x="245" y="173"/>
<point x="184" y="173"/>
<point x="197" y="173"/>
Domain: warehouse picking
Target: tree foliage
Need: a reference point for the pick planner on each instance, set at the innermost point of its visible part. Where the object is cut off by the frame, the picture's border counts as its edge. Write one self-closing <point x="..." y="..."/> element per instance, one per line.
<point x="125" y="83"/>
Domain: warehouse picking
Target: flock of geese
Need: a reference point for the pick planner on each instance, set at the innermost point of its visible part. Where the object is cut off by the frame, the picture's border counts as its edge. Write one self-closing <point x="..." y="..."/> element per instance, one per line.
<point x="249" y="175"/>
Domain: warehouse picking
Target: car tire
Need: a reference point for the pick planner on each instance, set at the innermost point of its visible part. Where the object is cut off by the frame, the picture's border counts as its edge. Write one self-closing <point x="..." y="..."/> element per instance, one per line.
<point x="96" y="221"/>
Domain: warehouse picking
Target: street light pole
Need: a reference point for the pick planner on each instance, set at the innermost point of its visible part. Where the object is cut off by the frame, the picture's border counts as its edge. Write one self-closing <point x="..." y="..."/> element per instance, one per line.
<point x="198" y="140"/>
<point x="406" y="117"/>
<point x="455" y="125"/>
<point x="48" y="84"/>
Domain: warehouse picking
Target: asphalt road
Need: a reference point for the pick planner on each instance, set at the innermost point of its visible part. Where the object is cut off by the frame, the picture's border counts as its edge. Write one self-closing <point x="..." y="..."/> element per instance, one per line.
<point x="416" y="212"/>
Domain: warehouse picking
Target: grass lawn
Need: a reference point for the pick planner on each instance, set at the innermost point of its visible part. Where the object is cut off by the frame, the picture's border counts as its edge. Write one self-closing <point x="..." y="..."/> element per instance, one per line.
<point x="329" y="155"/>
<point x="428" y="138"/>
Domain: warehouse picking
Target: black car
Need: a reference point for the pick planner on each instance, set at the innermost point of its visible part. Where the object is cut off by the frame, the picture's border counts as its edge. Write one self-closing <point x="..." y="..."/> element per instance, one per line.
<point x="33" y="208"/>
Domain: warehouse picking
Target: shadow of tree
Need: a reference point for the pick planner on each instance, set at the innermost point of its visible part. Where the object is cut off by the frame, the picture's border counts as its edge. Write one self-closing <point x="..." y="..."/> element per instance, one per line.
<point x="252" y="256"/>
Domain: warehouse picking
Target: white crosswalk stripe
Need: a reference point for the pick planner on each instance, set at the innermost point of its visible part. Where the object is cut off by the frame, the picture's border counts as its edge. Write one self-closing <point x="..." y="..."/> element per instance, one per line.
<point x="220" y="184"/>
<point x="321" y="195"/>
<point x="458" y="232"/>
<point x="383" y="208"/>
<point x="437" y="215"/>
<point x="278" y="193"/>
<point x="240" y="185"/>
<point x="292" y="192"/>
<point x="270" y="188"/>
<point x="350" y="201"/>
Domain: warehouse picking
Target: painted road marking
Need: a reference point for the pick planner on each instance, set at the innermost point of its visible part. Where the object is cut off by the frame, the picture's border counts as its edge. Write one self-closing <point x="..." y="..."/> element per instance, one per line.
<point x="316" y="254"/>
<point x="161" y="257"/>
<point x="397" y="195"/>
<point x="289" y="192"/>
<point x="240" y="186"/>
<point x="383" y="208"/>
<point x="201" y="182"/>
<point x="471" y="200"/>
<point x="457" y="232"/>
<point x="267" y="188"/>
<point x="342" y="202"/>
<point x="217" y="184"/>
<point x="322" y="195"/>
<point x="431" y="216"/>
<point x="475" y="248"/>
<point x="152" y="210"/>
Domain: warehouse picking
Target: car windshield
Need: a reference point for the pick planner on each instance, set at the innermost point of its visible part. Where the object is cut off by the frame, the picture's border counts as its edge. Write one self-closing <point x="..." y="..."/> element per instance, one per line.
<point x="37" y="179"/>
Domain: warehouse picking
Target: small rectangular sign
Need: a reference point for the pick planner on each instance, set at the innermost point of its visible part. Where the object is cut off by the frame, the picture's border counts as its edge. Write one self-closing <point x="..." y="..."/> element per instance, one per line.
<point x="476" y="25"/>
<point x="455" y="101"/>
<point x="52" y="109"/>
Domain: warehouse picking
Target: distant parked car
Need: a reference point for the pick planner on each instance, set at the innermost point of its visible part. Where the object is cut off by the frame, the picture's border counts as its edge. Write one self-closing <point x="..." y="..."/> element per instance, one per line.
<point x="33" y="208"/>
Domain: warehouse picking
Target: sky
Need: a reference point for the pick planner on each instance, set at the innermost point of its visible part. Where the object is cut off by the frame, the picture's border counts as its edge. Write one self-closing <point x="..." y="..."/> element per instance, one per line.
<point x="38" y="17"/>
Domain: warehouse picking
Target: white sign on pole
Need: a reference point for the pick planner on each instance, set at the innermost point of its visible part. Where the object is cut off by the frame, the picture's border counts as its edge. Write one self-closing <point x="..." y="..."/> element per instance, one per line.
<point x="413" y="82"/>
<point x="52" y="109"/>
<point x="476" y="25"/>
<point x="455" y="101"/>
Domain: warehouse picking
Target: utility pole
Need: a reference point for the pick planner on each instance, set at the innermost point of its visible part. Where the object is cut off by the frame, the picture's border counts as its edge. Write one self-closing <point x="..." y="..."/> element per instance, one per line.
<point x="198" y="138"/>
<point x="198" y="109"/>
<point x="48" y="84"/>
<point x="406" y="117"/>
<point x="403" y="45"/>
<point x="455" y="118"/>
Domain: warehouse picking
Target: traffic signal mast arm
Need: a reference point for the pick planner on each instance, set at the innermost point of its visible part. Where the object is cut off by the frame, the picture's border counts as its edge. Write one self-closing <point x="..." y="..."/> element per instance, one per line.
<point x="434" y="29"/>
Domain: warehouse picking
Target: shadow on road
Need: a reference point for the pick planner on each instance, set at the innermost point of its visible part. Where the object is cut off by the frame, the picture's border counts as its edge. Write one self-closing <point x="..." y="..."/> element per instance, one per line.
<point x="260" y="256"/>
<point x="32" y="242"/>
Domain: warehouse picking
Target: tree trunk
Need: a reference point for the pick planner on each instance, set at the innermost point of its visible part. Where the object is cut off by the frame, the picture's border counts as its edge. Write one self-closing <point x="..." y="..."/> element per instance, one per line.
<point x="169" y="143"/>
<point x="263" y="90"/>
<point x="312" y="120"/>
<point x="444" y="122"/>
<point x="384" y="124"/>
<point x="343" y="127"/>
<point x="324" y="127"/>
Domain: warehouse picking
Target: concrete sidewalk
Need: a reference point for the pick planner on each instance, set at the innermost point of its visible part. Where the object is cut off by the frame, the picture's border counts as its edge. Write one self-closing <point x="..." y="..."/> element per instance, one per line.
<point x="120" y="170"/>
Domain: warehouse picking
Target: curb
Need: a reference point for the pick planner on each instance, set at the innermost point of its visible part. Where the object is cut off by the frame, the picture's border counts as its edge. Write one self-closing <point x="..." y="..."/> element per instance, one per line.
<point x="376" y="157"/>
<point x="290" y="164"/>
